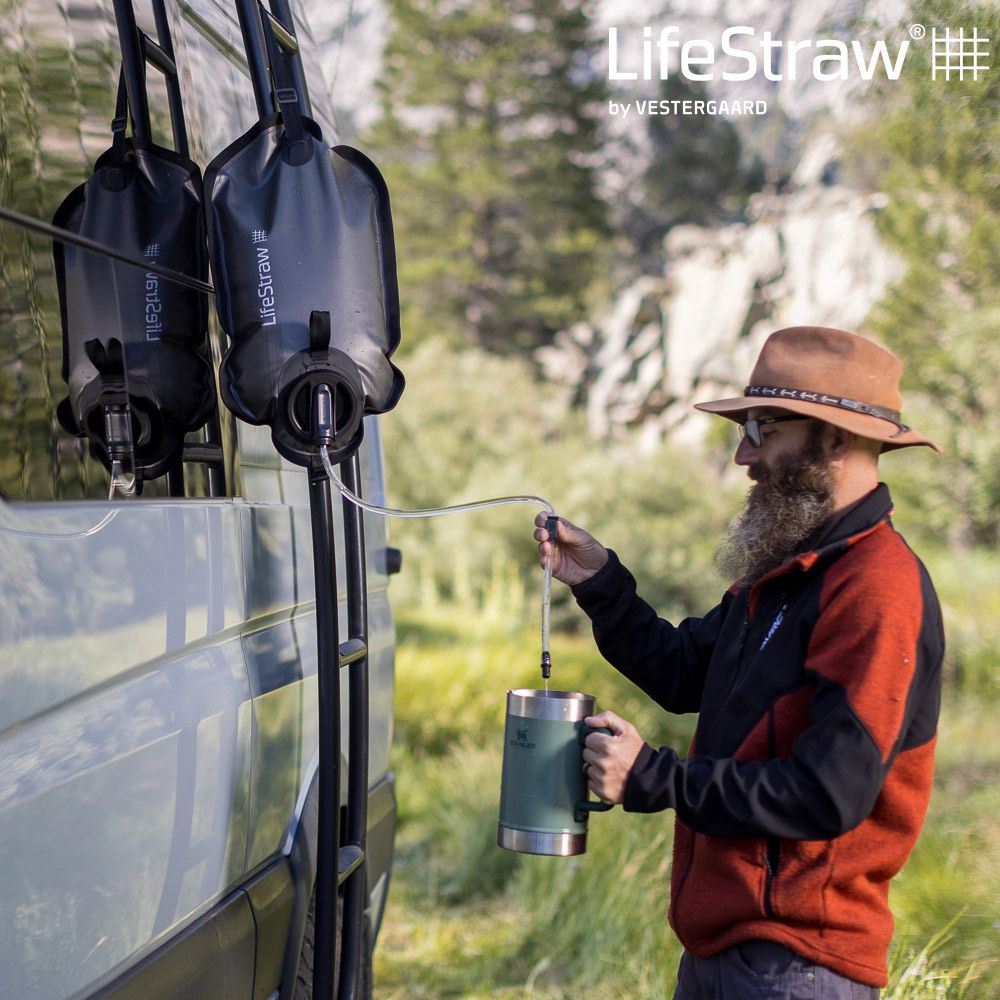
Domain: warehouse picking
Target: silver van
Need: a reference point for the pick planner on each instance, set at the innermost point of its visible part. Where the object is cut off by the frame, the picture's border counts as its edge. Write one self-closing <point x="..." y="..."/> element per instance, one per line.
<point x="158" y="717"/>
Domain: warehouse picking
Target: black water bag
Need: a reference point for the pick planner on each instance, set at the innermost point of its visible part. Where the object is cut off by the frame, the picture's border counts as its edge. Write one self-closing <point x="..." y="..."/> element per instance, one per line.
<point x="304" y="264"/>
<point x="131" y="338"/>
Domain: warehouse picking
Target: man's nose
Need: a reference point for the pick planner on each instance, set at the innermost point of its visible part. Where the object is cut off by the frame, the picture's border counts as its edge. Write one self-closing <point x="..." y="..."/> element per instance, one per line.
<point x="746" y="453"/>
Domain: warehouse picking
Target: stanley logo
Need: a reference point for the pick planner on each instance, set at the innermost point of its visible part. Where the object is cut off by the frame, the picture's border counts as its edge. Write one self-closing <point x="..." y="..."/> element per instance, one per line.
<point x="521" y="742"/>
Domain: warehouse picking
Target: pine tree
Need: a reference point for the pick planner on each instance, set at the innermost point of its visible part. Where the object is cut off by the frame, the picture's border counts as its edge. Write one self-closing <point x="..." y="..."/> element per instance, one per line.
<point x="487" y="140"/>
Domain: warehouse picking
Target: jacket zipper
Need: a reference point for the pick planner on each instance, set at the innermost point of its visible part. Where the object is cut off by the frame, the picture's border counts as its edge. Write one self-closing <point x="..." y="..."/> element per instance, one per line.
<point x="740" y="644"/>
<point x="746" y="659"/>
<point x="772" y="858"/>
<point x="772" y="852"/>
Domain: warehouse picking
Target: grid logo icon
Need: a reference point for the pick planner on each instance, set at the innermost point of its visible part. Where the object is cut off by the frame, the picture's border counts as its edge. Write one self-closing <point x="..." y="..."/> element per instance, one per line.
<point x="258" y="235"/>
<point x="153" y="250"/>
<point x="959" y="54"/>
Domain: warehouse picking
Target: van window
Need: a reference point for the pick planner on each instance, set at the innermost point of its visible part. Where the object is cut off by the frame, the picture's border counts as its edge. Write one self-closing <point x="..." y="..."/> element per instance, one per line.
<point x="58" y="98"/>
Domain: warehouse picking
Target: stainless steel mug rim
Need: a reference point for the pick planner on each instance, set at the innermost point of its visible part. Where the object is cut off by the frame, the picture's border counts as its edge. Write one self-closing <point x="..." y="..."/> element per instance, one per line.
<point x="559" y="706"/>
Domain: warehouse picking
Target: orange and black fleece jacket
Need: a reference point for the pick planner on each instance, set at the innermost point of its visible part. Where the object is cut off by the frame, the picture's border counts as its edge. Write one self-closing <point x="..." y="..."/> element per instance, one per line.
<point x="806" y="784"/>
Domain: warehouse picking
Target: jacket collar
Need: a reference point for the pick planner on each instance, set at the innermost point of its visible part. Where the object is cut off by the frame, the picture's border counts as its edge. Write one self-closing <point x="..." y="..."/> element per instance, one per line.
<point x="857" y="521"/>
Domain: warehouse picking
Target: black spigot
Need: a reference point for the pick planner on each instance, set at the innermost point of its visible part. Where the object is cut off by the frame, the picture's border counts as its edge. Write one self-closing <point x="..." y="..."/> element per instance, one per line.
<point x="118" y="433"/>
<point x="121" y="448"/>
<point x="546" y="664"/>
<point x="324" y="430"/>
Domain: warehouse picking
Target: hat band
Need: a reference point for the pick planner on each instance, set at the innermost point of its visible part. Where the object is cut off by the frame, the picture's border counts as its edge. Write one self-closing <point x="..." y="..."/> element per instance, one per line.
<point x="803" y="395"/>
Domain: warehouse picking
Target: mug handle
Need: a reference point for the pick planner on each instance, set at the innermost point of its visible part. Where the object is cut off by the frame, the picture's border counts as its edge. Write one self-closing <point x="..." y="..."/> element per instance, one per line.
<point x="582" y="809"/>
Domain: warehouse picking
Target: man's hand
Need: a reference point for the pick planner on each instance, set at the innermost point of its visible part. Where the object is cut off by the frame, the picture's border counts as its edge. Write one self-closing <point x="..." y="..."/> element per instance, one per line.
<point x="607" y="759"/>
<point x="576" y="555"/>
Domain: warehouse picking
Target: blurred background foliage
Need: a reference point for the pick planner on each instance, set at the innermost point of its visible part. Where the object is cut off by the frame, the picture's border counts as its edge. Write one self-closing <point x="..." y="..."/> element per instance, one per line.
<point x="474" y="425"/>
<point x="935" y="155"/>
<point x="491" y="143"/>
<point x="488" y="137"/>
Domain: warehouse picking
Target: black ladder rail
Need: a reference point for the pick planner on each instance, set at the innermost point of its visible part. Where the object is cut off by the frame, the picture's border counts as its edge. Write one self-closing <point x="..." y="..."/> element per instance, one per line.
<point x="166" y="44"/>
<point x="328" y="704"/>
<point x="133" y="66"/>
<point x="336" y="864"/>
<point x="282" y="17"/>
<point x="138" y="50"/>
<point x="250" y="14"/>
<point x="353" y="872"/>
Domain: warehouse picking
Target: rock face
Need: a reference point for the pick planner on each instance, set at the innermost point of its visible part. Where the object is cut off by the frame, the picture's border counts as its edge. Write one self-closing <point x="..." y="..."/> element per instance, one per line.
<point x="810" y="256"/>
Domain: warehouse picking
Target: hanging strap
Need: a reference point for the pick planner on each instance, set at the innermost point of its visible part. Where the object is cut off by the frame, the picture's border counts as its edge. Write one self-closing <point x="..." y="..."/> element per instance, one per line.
<point x="285" y="94"/>
<point x="114" y="174"/>
<point x="119" y="123"/>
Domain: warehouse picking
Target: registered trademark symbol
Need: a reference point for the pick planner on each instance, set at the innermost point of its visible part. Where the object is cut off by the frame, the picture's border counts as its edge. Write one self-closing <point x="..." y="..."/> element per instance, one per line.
<point x="917" y="31"/>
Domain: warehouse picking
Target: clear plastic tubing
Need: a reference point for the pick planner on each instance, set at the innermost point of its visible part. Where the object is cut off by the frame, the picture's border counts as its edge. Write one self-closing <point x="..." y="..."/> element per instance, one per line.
<point x="458" y="509"/>
<point x="45" y="535"/>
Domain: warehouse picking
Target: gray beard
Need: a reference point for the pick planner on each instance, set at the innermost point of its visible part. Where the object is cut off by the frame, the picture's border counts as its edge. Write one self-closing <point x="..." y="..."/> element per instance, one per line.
<point x="784" y="508"/>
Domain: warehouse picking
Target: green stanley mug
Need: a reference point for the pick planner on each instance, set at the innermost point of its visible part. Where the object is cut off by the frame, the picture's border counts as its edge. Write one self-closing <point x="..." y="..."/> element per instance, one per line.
<point x="543" y="793"/>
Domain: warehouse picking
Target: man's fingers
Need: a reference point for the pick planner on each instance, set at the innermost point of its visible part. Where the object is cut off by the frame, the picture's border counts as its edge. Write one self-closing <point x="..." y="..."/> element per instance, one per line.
<point x="542" y="524"/>
<point x="606" y="720"/>
<point x="594" y="773"/>
<point x="564" y="529"/>
<point x="546" y="544"/>
<point x="542" y="528"/>
<point x="608" y="760"/>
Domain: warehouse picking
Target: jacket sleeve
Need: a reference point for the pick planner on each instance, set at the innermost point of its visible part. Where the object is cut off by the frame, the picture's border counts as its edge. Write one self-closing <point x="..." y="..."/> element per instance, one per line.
<point x="667" y="662"/>
<point x="874" y="656"/>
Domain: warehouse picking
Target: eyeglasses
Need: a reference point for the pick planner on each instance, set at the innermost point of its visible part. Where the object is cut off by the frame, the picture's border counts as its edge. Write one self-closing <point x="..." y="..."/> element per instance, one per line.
<point x="752" y="428"/>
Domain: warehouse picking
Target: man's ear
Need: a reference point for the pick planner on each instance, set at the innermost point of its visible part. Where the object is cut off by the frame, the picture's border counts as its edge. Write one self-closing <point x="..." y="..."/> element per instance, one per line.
<point x="838" y="442"/>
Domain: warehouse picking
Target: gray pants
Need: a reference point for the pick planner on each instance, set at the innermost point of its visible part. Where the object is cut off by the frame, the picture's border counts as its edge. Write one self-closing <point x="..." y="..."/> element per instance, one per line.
<point x="763" y="970"/>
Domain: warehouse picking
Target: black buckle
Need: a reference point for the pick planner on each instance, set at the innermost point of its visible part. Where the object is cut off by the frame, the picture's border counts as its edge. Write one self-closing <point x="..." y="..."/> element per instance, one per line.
<point x="286" y="95"/>
<point x="119" y="124"/>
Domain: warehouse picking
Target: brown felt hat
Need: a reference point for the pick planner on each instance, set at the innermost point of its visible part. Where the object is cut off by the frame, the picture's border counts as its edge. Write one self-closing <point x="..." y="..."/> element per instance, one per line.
<point x="832" y="375"/>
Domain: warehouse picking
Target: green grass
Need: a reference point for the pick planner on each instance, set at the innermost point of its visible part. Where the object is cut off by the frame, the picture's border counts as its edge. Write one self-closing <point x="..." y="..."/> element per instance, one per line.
<point x="468" y="920"/>
<point x="968" y="585"/>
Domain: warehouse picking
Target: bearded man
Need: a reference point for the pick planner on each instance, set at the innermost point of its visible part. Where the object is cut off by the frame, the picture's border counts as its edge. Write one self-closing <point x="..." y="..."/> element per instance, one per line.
<point x="817" y="681"/>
